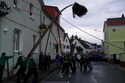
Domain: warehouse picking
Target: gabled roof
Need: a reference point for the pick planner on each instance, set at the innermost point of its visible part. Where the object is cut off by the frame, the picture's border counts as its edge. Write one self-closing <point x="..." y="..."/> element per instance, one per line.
<point x="56" y="8"/>
<point x="50" y="16"/>
<point x="84" y="44"/>
<point x="66" y="35"/>
<point x="116" y="21"/>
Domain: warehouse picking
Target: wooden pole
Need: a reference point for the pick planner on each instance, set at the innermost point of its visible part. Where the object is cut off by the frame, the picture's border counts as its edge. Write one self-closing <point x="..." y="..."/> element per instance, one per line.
<point x="47" y="41"/>
<point x="38" y="42"/>
<point x="41" y="37"/>
<point x="59" y="41"/>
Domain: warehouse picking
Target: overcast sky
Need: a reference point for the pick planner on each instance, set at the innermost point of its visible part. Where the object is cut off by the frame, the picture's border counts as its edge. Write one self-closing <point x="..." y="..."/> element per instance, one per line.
<point x="93" y="21"/>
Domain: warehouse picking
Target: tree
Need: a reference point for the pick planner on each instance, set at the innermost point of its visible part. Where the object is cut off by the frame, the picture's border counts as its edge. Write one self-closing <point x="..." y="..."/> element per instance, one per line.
<point x="79" y="49"/>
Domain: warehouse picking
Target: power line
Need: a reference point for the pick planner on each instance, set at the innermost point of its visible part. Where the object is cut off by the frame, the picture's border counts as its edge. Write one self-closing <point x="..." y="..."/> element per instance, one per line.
<point x="92" y="35"/>
<point x="77" y="28"/>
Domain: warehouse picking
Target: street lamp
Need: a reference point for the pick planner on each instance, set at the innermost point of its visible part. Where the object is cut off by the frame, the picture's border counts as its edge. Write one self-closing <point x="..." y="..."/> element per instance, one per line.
<point x="77" y="9"/>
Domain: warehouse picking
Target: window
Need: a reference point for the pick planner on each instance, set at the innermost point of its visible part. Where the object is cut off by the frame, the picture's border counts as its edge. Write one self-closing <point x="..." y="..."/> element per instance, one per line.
<point x="31" y="9"/>
<point x="66" y="40"/>
<point x="34" y="42"/>
<point x="17" y="40"/>
<point x="15" y="3"/>
<point x="64" y="46"/>
<point x="75" y="43"/>
<point x="67" y="47"/>
<point x="114" y="30"/>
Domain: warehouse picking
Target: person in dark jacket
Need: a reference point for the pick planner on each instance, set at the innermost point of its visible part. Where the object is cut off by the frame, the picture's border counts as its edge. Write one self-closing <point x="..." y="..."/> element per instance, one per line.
<point x="21" y="71"/>
<point x="41" y="60"/>
<point x="89" y="64"/>
<point x="48" y="61"/>
<point x="65" y="68"/>
<point x="3" y="60"/>
<point x="32" y="69"/>
<point x="72" y="63"/>
<point x="82" y="62"/>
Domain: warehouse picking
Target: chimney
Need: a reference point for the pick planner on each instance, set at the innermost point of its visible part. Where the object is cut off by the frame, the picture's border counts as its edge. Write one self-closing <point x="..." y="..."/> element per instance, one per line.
<point x="122" y="15"/>
<point x="79" y="38"/>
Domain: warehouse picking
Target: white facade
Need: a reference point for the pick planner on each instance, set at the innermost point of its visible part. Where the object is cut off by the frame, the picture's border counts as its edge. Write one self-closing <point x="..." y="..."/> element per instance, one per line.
<point x="77" y="43"/>
<point x="93" y="48"/>
<point x="52" y="41"/>
<point x="66" y="45"/>
<point x="19" y="31"/>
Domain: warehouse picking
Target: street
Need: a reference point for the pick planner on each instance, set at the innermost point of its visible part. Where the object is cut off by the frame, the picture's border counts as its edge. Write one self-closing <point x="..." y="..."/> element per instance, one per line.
<point x="102" y="73"/>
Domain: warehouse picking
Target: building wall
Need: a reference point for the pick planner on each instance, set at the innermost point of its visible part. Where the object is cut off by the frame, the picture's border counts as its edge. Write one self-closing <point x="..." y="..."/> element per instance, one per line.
<point x="116" y="38"/>
<point x="18" y="18"/>
<point x="114" y="35"/>
<point x="52" y="41"/>
<point x="106" y="40"/>
<point x="66" y="43"/>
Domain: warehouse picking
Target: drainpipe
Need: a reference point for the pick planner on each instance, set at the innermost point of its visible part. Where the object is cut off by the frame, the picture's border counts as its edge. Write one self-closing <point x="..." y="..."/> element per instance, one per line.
<point x="0" y="32"/>
<point x="13" y="51"/>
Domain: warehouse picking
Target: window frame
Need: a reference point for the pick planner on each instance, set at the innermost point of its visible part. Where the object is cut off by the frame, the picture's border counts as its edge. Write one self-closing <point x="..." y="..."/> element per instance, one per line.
<point x="30" y="9"/>
<point x="19" y="41"/>
<point x="15" y="3"/>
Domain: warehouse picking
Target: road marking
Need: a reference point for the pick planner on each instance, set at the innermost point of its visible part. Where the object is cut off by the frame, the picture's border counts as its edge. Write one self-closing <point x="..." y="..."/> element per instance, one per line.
<point x="93" y="78"/>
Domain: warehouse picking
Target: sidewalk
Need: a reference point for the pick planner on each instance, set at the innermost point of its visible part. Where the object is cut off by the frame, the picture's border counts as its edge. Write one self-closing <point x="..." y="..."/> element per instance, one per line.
<point x="41" y="74"/>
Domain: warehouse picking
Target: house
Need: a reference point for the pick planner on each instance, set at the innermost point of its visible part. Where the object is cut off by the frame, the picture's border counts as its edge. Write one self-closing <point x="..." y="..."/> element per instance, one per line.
<point x="80" y="43"/>
<point x="114" y="40"/>
<point x="54" y="12"/>
<point x="93" y="46"/>
<point x="66" y="44"/>
<point x="51" y="42"/>
<point x="20" y="29"/>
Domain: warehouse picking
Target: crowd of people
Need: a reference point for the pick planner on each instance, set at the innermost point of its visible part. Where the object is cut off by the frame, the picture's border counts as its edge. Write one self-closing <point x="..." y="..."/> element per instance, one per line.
<point x="28" y="67"/>
<point x="44" y="61"/>
<point x="69" y="62"/>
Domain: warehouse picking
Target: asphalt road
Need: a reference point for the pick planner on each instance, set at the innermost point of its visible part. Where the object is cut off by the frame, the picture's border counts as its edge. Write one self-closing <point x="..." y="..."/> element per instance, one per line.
<point x="102" y="73"/>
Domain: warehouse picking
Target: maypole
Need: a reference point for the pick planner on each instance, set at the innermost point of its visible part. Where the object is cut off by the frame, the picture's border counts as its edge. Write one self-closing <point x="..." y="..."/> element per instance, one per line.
<point x="79" y="10"/>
